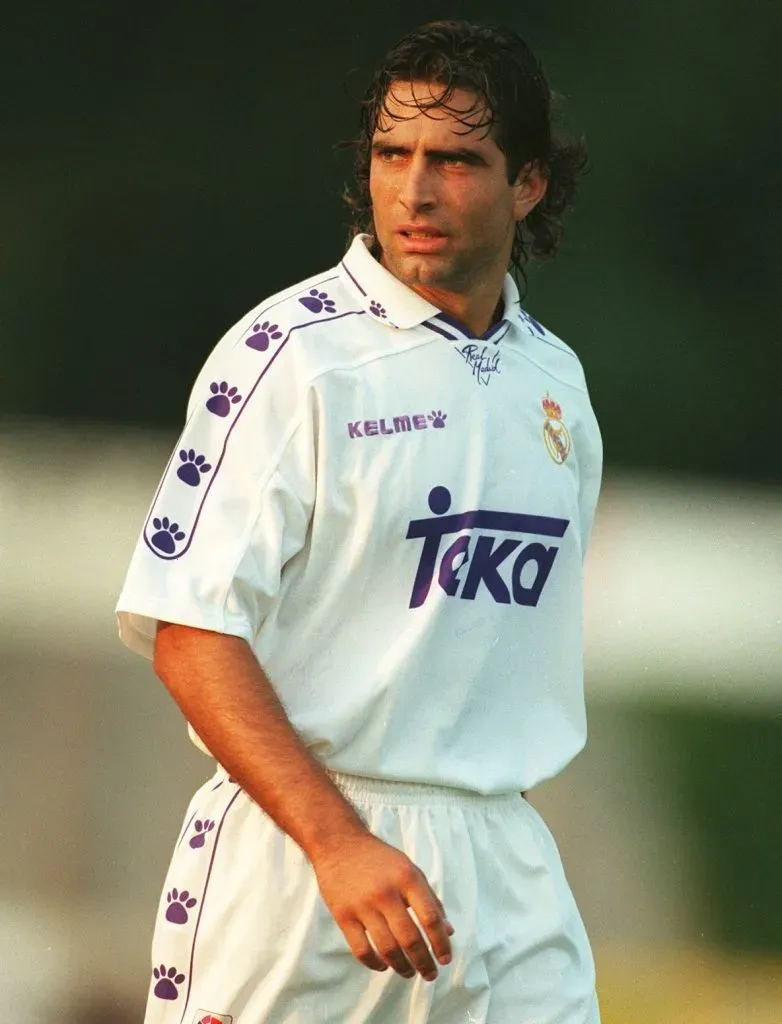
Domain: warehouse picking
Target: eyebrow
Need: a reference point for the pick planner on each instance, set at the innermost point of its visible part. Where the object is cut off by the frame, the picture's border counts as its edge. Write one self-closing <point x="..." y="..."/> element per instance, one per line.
<point x="470" y="156"/>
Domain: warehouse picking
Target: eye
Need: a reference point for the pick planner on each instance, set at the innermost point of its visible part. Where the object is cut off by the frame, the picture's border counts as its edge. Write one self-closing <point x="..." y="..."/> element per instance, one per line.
<point x="388" y="156"/>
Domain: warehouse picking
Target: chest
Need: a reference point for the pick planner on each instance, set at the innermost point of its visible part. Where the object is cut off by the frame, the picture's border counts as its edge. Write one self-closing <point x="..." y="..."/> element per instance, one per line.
<point x="484" y="422"/>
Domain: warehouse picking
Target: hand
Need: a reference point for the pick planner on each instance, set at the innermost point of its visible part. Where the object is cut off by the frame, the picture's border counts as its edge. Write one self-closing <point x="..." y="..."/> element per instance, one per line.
<point x="368" y="886"/>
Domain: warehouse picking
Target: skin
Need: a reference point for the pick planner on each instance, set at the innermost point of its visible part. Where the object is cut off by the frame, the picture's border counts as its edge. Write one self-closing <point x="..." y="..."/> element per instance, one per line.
<point x="425" y="171"/>
<point x="367" y="885"/>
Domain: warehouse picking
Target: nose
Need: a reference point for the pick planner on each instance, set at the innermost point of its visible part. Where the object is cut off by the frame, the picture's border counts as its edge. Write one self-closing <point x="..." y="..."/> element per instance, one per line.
<point x="417" y="191"/>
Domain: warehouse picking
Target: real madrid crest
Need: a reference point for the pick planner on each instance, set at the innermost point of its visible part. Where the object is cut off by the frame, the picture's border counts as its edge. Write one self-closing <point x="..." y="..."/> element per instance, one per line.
<point x="555" y="433"/>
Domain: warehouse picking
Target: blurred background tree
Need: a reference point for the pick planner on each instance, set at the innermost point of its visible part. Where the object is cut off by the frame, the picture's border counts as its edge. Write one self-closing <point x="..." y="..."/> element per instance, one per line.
<point x="166" y="167"/>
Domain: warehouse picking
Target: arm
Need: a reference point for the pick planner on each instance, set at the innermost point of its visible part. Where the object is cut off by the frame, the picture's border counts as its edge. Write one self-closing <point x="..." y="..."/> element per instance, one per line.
<point x="367" y="885"/>
<point x="246" y="729"/>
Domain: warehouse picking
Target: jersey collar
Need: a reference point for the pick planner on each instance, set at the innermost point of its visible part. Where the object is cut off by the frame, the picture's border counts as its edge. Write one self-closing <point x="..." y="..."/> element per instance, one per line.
<point x="382" y="295"/>
<point x="386" y="299"/>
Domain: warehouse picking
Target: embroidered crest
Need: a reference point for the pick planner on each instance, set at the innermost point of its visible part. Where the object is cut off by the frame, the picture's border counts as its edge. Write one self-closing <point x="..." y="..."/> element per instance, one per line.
<point x="205" y="1017"/>
<point x="555" y="433"/>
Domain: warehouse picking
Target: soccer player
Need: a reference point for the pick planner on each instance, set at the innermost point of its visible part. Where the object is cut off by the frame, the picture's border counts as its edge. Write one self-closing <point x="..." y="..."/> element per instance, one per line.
<point x="361" y="581"/>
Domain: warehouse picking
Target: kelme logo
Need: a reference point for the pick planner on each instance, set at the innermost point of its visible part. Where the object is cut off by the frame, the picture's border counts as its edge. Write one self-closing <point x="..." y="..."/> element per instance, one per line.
<point x="397" y="424"/>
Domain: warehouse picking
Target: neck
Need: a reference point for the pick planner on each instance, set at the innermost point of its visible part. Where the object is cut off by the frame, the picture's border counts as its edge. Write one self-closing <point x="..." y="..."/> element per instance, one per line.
<point x="476" y="311"/>
<point x="478" y="303"/>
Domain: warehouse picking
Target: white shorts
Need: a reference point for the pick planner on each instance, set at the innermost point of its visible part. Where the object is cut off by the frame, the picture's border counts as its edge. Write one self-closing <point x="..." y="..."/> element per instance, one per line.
<point x="244" y="937"/>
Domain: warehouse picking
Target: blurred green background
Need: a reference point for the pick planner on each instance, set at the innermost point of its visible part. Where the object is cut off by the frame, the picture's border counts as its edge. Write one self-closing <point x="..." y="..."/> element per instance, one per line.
<point x="166" y="166"/>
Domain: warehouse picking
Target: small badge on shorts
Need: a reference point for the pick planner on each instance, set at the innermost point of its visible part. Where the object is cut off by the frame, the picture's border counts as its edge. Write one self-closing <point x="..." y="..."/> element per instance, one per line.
<point x="555" y="433"/>
<point x="205" y="1017"/>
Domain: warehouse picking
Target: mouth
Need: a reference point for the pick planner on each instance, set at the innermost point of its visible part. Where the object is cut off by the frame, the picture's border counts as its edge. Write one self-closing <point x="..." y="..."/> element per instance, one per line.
<point x="421" y="239"/>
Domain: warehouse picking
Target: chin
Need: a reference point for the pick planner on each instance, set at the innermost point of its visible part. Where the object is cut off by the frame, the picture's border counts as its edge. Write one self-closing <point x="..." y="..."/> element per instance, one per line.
<point x="419" y="269"/>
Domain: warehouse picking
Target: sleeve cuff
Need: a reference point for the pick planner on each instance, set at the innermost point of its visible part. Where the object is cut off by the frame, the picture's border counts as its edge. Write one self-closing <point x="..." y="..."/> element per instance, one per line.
<point x="138" y="626"/>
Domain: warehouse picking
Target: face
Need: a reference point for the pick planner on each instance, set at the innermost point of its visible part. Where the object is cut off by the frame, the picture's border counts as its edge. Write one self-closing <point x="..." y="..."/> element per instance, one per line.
<point x="444" y="212"/>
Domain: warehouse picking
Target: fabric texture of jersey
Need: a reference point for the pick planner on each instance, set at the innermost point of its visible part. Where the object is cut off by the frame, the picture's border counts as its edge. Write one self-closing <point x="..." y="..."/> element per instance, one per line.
<point x="251" y="946"/>
<point x="393" y="513"/>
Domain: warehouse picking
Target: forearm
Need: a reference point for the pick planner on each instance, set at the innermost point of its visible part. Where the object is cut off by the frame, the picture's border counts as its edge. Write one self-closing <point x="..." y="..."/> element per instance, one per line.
<point x="224" y="694"/>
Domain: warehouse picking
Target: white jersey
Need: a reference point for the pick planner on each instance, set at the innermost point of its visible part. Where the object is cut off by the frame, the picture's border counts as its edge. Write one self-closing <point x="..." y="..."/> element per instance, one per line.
<point x="393" y="513"/>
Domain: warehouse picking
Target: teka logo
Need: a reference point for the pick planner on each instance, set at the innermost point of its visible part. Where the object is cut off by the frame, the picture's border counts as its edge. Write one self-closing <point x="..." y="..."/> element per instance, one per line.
<point x="398" y="424"/>
<point x="483" y="553"/>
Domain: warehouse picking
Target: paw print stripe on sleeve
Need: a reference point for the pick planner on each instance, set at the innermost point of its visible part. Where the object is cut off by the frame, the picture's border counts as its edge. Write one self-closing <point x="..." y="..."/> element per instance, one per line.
<point x="318" y="302"/>
<point x="224" y="395"/>
<point x="193" y="468"/>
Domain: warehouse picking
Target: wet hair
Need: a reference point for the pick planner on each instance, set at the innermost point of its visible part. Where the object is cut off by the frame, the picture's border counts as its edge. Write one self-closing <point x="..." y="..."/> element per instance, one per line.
<point x="514" y="104"/>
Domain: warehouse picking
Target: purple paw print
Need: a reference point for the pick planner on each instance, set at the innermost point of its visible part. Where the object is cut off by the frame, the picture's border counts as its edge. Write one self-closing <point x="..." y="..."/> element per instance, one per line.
<point x="168" y="979"/>
<point x="201" y="829"/>
<point x="167" y="535"/>
<point x="376" y="309"/>
<point x="262" y="335"/>
<point x="192" y="467"/>
<point x="318" y="302"/>
<point x="437" y="419"/>
<point x="178" y="905"/>
<point x="222" y="398"/>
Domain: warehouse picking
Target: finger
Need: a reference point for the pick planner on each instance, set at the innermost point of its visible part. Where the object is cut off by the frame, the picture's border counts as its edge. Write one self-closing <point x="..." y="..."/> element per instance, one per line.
<point x="410" y="938"/>
<point x="449" y="927"/>
<point x="360" y="946"/>
<point x="431" y="916"/>
<point x="382" y="938"/>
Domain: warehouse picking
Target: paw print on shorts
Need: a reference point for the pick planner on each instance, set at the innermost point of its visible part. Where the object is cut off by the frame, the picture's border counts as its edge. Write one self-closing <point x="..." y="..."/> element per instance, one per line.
<point x="178" y="905"/>
<point x="377" y="310"/>
<point x="167" y="981"/>
<point x="223" y="397"/>
<point x="262" y="335"/>
<point x="202" y="829"/>
<point x="437" y="419"/>
<point x="167" y="535"/>
<point x="318" y="302"/>
<point x="192" y="467"/>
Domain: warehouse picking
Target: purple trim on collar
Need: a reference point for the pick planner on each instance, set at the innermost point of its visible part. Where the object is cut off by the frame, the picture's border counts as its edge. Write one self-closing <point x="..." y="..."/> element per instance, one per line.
<point x="453" y="322"/>
<point x="355" y="282"/>
<point x="462" y="329"/>
<point x="502" y="323"/>
<point x="496" y="327"/>
<point x="439" y="330"/>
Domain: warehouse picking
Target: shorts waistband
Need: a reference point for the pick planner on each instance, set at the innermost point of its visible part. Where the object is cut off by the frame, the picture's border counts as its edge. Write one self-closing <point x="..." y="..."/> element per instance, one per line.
<point x="363" y="789"/>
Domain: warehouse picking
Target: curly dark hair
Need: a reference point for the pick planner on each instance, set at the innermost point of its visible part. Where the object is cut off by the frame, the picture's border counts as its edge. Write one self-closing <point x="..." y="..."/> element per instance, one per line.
<point x="514" y="102"/>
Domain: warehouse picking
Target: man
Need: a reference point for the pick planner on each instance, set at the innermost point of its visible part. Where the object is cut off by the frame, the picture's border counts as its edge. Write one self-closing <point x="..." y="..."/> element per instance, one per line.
<point x="360" y="579"/>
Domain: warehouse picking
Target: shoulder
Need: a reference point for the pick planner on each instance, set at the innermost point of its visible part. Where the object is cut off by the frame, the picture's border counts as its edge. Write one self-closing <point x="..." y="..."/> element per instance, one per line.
<point x="551" y="353"/>
<point x="275" y="334"/>
<point x="309" y="304"/>
<point x="292" y="338"/>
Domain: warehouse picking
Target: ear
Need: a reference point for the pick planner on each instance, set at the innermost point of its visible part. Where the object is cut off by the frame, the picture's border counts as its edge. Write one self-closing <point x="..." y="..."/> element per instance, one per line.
<point x="529" y="189"/>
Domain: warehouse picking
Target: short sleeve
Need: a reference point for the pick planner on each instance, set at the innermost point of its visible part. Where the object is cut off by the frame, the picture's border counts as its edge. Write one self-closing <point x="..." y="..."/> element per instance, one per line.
<point x="234" y="503"/>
